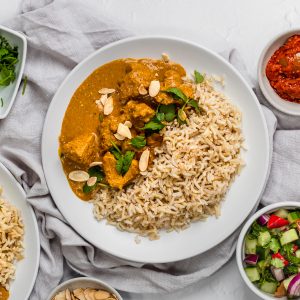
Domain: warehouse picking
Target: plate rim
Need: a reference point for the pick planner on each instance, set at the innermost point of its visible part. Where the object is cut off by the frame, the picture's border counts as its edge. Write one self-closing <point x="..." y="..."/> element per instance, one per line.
<point x="233" y="69"/>
<point x="36" y="232"/>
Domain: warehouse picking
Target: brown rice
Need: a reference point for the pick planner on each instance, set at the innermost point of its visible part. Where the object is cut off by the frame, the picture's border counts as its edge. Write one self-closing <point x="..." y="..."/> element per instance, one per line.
<point x="11" y="240"/>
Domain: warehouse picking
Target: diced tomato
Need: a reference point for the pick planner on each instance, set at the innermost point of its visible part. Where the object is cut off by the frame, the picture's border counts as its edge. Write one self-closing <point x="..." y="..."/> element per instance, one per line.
<point x="295" y="248"/>
<point x="276" y="222"/>
<point x="278" y="255"/>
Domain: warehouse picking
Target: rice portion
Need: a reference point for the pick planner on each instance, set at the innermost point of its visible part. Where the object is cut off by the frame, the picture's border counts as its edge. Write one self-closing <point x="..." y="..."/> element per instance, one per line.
<point x="11" y="240"/>
<point x="190" y="175"/>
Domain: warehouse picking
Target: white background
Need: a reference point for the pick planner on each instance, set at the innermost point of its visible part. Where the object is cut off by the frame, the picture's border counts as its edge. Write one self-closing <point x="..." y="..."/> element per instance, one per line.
<point x="245" y="25"/>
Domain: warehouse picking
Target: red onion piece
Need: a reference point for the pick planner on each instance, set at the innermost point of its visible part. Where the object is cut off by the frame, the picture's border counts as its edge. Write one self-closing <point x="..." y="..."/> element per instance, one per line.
<point x="263" y="220"/>
<point x="277" y="273"/>
<point x="294" y="287"/>
<point x="251" y="259"/>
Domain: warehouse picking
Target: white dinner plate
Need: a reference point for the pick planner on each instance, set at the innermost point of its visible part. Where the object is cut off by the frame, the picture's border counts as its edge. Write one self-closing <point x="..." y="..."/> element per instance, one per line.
<point x="26" y="269"/>
<point x="200" y="236"/>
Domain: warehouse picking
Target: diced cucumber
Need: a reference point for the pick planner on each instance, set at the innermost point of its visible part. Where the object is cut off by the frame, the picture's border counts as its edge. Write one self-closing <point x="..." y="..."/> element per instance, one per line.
<point x="269" y="287"/>
<point x="250" y="246"/>
<point x="262" y="252"/>
<point x="274" y="245"/>
<point x="282" y="213"/>
<point x="264" y="238"/>
<point x="263" y="264"/>
<point x="298" y="253"/>
<point x="293" y="216"/>
<point x="288" y="237"/>
<point x="287" y="281"/>
<point x="252" y="274"/>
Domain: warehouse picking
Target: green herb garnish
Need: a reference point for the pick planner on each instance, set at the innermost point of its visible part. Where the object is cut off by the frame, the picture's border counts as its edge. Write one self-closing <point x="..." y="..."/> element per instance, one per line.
<point x="1" y="102"/>
<point x="8" y="60"/>
<point x="193" y="103"/>
<point x="154" y="124"/>
<point x="101" y="117"/>
<point x="123" y="160"/>
<point x="199" y="78"/>
<point x="178" y="93"/>
<point x="95" y="171"/>
<point x="24" y="85"/>
<point x="168" y="111"/>
<point x="139" y="142"/>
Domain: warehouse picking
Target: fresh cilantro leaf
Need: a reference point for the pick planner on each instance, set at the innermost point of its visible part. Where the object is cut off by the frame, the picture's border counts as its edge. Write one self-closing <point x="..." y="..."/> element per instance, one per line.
<point x="88" y="189"/>
<point x="199" y="78"/>
<point x="154" y="124"/>
<point x="194" y="104"/>
<point x="8" y="60"/>
<point x="96" y="171"/>
<point x="101" y="117"/>
<point x="127" y="159"/>
<point x="160" y="116"/>
<point x="119" y="165"/>
<point x="138" y="142"/>
<point x="290" y="270"/>
<point x="178" y="93"/>
<point x="169" y="112"/>
<point x="256" y="229"/>
<point x="24" y="85"/>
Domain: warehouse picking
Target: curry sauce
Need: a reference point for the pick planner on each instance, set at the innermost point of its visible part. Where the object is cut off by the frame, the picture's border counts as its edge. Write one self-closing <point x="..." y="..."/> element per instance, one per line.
<point x="4" y="294"/>
<point x="89" y="136"/>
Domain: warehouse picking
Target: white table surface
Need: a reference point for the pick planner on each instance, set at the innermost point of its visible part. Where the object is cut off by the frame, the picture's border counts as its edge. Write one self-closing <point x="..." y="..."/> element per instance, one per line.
<point x="247" y="26"/>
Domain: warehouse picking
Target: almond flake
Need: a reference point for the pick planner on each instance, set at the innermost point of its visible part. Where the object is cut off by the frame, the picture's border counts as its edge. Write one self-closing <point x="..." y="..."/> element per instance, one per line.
<point x="95" y="163"/>
<point x="103" y="99"/>
<point x="124" y="131"/>
<point x="105" y="91"/>
<point x="165" y="57"/>
<point x="144" y="160"/>
<point x="128" y="124"/>
<point x="91" y="181"/>
<point x="119" y="137"/>
<point x="142" y="90"/>
<point x="79" y="176"/>
<point x="154" y="88"/>
<point x="109" y="106"/>
<point x="68" y="295"/>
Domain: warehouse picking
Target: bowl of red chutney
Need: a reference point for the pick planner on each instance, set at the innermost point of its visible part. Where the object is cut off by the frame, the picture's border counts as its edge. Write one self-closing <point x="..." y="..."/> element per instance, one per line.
<point x="279" y="72"/>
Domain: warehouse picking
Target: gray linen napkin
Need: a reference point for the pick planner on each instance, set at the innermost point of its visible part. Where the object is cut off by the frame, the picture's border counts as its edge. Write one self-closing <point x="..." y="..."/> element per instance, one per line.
<point x="60" y="34"/>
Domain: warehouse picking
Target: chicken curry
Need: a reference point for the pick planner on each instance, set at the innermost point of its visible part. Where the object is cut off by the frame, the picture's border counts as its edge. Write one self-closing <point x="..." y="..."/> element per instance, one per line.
<point x="113" y="122"/>
<point x="4" y="294"/>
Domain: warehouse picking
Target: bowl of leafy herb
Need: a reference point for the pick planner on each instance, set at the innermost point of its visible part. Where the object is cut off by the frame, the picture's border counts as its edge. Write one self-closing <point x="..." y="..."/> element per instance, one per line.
<point x="13" y="48"/>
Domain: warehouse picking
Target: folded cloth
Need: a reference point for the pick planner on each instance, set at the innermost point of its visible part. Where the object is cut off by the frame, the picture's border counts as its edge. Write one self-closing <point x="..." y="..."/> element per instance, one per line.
<point x="60" y="34"/>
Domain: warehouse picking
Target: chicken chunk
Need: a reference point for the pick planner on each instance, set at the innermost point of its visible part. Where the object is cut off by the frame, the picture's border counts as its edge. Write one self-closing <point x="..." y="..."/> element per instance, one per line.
<point x="113" y="178"/>
<point x="82" y="150"/>
<point x="139" y="74"/>
<point x="139" y="111"/>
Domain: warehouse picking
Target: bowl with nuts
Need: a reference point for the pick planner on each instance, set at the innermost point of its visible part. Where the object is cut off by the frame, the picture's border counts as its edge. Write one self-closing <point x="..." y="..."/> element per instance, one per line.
<point x="84" y="288"/>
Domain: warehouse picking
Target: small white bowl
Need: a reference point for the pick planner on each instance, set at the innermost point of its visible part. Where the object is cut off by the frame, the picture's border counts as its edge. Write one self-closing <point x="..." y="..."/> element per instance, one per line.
<point x="84" y="282"/>
<point x="8" y="93"/>
<point x="240" y="254"/>
<point x="272" y="97"/>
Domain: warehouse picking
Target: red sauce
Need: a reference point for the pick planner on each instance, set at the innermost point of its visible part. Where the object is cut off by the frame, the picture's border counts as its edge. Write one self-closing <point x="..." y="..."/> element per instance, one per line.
<point x="283" y="70"/>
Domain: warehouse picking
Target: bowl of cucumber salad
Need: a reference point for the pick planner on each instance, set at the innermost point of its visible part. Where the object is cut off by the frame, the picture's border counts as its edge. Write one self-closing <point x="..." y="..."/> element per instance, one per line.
<point x="268" y="251"/>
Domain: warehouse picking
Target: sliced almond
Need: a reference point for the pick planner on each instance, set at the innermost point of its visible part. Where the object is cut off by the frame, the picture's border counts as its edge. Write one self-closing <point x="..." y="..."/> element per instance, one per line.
<point x="78" y="293"/>
<point x="144" y="160"/>
<point x="101" y="295"/>
<point x="103" y="99"/>
<point x="68" y="294"/>
<point x="142" y="90"/>
<point x="165" y="57"/>
<point x="154" y="88"/>
<point x="119" y="137"/>
<point x="124" y="131"/>
<point x="105" y="91"/>
<point x="128" y="124"/>
<point x="109" y="106"/>
<point x="95" y="163"/>
<point x="79" y="176"/>
<point x="91" y="181"/>
<point x="89" y="294"/>
<point x="60" y="296"/>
